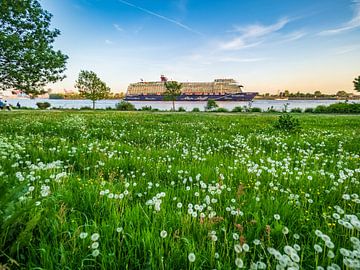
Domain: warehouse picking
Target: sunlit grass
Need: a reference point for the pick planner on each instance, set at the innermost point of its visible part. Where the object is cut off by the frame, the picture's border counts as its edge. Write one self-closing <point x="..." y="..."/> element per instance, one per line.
<point x="110" y="190"/>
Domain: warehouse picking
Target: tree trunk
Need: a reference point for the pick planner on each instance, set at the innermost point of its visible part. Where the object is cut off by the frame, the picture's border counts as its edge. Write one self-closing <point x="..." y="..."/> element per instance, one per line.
<point x="93" y="104"/>
<point x="173" y="101"/>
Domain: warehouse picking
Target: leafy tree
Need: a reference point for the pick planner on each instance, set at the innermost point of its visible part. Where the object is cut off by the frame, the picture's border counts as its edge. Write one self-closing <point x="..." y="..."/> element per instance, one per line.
<point x="211" y="104"/>
<point x="357" y="84"/>
<point x="28" y="60"/>
<point x="317" y="93"/>
<point x="126" y="106"/>
<point x="91" y="87"/>
<point x="342" y="94"/>
<point x="173" y="90"/>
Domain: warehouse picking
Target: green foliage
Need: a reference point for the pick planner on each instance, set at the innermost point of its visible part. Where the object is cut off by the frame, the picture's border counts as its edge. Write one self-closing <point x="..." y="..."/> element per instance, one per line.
<point x="91" y="87"/>
<point x="357" y="84"/>
<point x="211" y="105"/>
<point x="288" y="123"/>
<point x="309" y="110"/>
<point x="173" y="90"/>
<point x="125" y="106"/>
<point x="146" y="108"/>
<point x="339" y="108"/>
<point x="255" y="109"/>
<point x="28" y="60"/>
<point x="195" y="110"/>
<point x="43" y="105"/>
<point x="296" y="110"/>
<point x="221" y="110"/>
<point x="181" y="109"/>
<point x="238" y="109"/>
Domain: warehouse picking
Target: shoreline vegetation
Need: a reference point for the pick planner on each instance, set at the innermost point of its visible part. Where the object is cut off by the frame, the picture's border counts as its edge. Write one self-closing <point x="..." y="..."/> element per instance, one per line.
<point x="336" y="108"/>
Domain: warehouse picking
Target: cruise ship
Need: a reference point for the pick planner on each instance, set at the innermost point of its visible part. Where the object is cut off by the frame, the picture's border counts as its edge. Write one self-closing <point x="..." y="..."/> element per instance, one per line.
<point x="219" y="90"/>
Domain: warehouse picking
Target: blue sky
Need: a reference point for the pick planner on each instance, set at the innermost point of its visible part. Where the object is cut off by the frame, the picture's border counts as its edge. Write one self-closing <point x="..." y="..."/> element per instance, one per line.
<point x="268" y="46"/>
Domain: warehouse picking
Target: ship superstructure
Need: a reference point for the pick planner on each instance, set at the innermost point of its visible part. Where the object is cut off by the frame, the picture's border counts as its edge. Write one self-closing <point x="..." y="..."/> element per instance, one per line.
<point x="219" y="89"/>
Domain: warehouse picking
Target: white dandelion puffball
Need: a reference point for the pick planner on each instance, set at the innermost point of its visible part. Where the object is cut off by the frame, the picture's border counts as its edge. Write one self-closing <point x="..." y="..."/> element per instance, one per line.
<point x="95" y="237"/>
<point x="191" y="257"/>
<point x="163" y="234"/>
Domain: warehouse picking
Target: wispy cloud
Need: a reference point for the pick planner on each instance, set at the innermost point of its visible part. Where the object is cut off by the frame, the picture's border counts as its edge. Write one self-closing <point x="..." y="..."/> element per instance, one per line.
<point x="347" y="49"/>
<point x="252" y="35"/>
<point x="179" y="24"/>
<point x="118" y="27"/>
<point x="108" y="42"/>
<point x="241" y="60"/>
<point x="350" y="25"/>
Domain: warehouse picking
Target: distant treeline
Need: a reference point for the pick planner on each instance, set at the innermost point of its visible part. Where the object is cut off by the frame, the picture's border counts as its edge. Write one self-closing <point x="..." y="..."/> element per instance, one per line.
<point x="315" y="95"/>
<point x="77" y="96"/>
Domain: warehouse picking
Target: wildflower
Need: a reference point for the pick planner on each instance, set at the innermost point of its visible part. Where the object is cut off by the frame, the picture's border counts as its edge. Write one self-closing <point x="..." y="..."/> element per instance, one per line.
<point x="235" y="236"/>
<point x="318" y="249"/>
<point x="163" y="234"/>
<point x="119" y="229"/>
<point x="191" y="257"/>
<point x="83" y="235"/>
<point x="245" y="247"/>
<point x="331" y="254"/>
<point x="285" y="230"/>
<point x="239" y="263"/>
<point x="277" y="216"/>
<point x="95" y="253"/>
<point x="95" y="237"/>
<point x="95" y="245"/>
<point x="237" y="248"/>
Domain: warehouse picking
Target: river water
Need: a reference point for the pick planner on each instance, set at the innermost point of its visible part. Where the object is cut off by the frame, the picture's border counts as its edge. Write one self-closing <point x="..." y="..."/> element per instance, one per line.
<point x="187" y="105"/>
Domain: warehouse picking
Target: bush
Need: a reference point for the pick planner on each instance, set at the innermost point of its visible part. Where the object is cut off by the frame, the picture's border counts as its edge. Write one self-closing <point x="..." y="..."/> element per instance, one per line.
<point x="320" y="109"/>
<point x="237" y="109"/>
<point x="43" y="105"/>
<point x="56" y="96"/>
<point x="211" y="105"/>
<point x="255" y="109"/>
<point x="222" y="110"/>
<point x="85" y="108"/>
<point x="181" y="109"/>
<point x="146" y="108"/>
<point x="309" y="110"/>
<point x="287" y="122"/>
<point x="296" y="110"/>
<point x="155" y="110"/>
<point x="125" y="106"/>
<point x="196" y="110"/>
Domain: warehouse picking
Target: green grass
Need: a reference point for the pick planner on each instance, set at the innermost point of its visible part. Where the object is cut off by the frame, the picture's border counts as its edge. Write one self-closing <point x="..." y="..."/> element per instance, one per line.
<point x="123" y="176"/>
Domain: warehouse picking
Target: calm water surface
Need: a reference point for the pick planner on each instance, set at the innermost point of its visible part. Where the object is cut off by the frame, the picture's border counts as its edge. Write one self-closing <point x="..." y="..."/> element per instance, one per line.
<point x="187" y="105"/>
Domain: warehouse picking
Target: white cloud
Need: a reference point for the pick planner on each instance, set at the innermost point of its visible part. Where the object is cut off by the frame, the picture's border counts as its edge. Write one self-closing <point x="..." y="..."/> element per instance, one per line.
<point x="350" y="25"/>
<point x="242" y="60"/>
<point x="347" y="49"/>
<point x="118" y="27"/>
<point x="108" y="42"/>
<point x="252" y="35"/>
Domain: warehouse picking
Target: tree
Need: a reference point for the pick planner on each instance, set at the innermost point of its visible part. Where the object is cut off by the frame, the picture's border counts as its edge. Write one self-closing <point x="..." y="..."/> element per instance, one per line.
<point x="342" y="94"/>
<point x="27" y="59"/>
<point x="317" y="94"/>
<point x="357" y="84"/>
<point x="211" y="104"/>
<point x="173" y="90"/>
<point x="91" y="87"/>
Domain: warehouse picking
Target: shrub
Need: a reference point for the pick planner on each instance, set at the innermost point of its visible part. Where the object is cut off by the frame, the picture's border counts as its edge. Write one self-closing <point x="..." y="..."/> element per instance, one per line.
<point x="211" y="105"/>
<point x="85" y="108"/>
<point x="181" y="109"/>
<point x="222" y="110"/>
<point x="320" y="109"/>
<point x="155" y="110"/>
<point x="309" y="110"/>
<point x="56" y="96"/>
<point x="196" y="110"/>
<point x="296" y="110"/>
<point x="125" y="106"/>
<point x="237" y="109"/>
<point x="146" y="108"/>
<point x="255" y="109"/>
<point x="43" y="105"/>
<point x="287" y="122"/>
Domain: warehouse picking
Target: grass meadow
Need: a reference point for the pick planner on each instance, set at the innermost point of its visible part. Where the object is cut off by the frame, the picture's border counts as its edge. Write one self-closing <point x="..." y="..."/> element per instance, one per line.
<point x="113" y="190"/>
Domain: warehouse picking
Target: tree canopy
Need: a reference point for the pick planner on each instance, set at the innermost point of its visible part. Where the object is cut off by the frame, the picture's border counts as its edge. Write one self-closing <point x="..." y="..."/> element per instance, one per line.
<point x="91" y="87"/>
<point x="173" y="90"/>
<point x="28" y="60"/>
<point x="357" y="84"/>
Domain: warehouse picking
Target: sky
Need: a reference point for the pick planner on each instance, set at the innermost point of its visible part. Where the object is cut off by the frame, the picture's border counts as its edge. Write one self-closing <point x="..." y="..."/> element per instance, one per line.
<point x="266" y="45"/>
